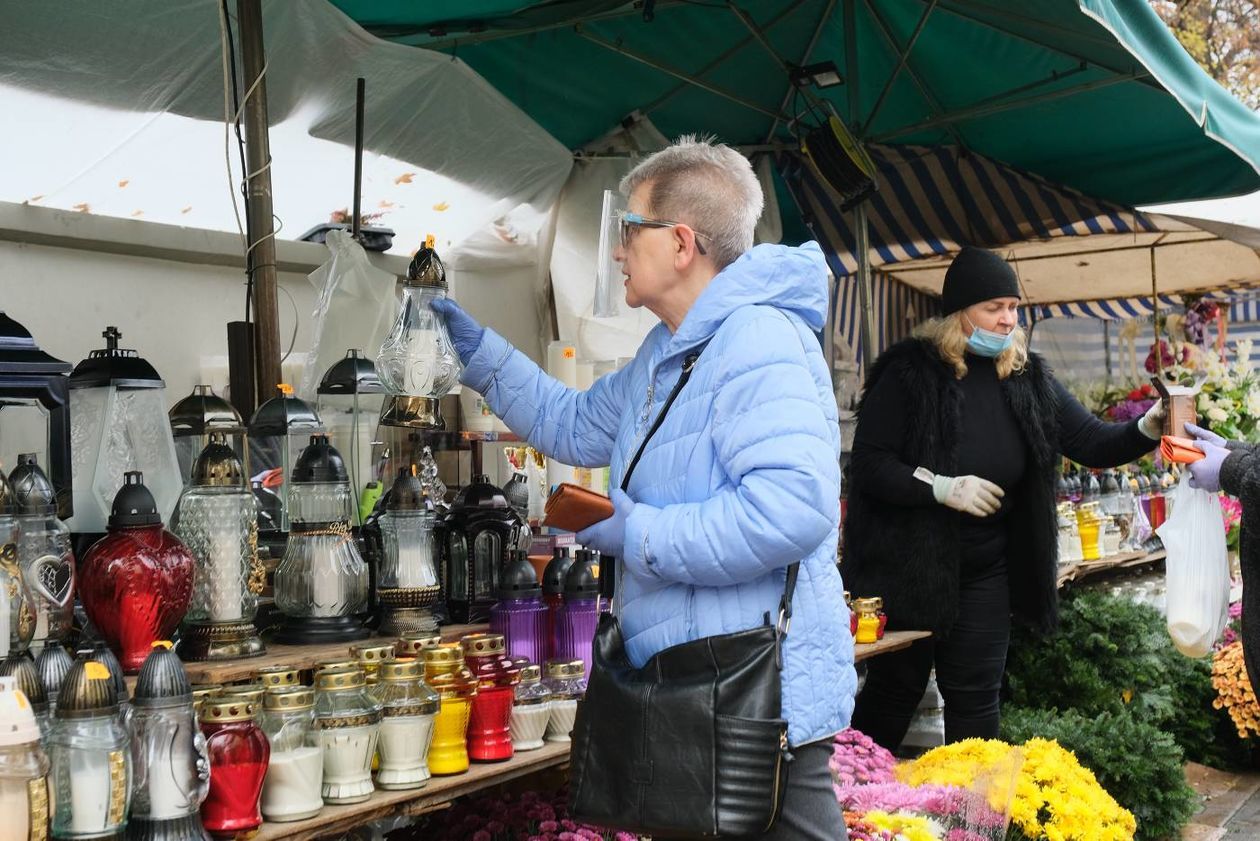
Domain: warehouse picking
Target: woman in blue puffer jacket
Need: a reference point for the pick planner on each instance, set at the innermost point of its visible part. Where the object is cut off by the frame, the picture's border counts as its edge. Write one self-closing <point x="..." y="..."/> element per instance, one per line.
<point x="742" y="478"/>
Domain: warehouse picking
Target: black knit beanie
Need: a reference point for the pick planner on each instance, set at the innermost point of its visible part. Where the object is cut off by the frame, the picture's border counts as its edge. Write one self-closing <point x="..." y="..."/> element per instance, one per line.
<point x="977" y="275"/>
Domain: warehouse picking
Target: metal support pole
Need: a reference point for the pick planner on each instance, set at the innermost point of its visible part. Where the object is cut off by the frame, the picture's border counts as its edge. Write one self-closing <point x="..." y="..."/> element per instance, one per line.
<point x="356" y="220"/>
<point x="861" y="228"/>
<point x="262" y="243"/>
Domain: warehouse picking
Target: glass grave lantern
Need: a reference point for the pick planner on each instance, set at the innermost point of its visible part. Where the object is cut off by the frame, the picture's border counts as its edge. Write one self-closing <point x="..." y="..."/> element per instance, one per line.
<point x="417" y="362"/>
<point x="278" y="432"/>
<point x="349" y="402"/>
<point x="43" y="551"/>
<point x="34" y="408"/>
<point x="322" y="582"/>
<point x="217" y="519"/>
<point x="118" y="424"/>
<point x="475" y="538"/>
<point x="198" y="416"/>
<point x="407" y="581"/>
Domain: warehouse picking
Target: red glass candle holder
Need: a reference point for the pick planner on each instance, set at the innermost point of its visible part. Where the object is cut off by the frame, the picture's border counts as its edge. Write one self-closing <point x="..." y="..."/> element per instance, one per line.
<point x="489" y="732"/>
<point x="239" y="754"/>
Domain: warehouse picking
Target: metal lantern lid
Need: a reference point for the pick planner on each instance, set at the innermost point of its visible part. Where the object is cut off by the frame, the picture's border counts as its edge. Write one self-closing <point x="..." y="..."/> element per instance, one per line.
<point x="407" y="493"/>
<point x="581" y="581"/>
<point x="320" y="462"/>
<point x="203" y="411"/>
<point x="426" y="267"/>
<point x="218" y="465"/>
<point x="289" y="699"/>
<point x="87" y="691"/>
<point x="101" y="653"/>
<point x="134" y="504"/>
<point x="162" y="679"/>
<point x="227" y="710"/>
<point x="52" y="665"/>
<point x="33" y="492"/>
<point x="114" y="366"/>
<point x="284" y="414"/>
<point x="518" y="579"/>
<point x="20" y="355"/>
<point x="481" y="495"/>
<point x="354" y="374"/>
<point x="278" y="677"/>
<point x="482" y="644"/>
<point x="372" y="653"/>
<point x="565" y="668"/>
<point x="22" y="669"/>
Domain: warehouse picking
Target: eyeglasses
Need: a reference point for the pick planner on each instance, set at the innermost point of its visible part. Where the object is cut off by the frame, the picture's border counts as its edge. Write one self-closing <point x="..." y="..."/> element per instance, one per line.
<point x="632" y="221"/>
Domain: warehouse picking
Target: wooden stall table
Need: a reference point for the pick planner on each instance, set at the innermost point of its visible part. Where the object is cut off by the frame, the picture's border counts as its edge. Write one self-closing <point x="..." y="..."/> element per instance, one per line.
<point x="892" y="641"/>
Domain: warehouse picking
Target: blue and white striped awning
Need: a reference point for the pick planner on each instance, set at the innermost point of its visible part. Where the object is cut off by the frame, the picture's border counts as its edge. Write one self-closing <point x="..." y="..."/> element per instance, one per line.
<point x="933" y="200"/>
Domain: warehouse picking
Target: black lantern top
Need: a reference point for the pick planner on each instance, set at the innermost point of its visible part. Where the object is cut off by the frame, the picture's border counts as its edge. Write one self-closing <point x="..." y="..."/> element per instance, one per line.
<point x="20" y="355"/>
<point x="426" y="267"/>
<point x="133" y="504"/>
<point x="319" y="462"/>
<point x="203" y="411"/>
<point x="353" y="374"/>
<point x="162" y="680"/>
<point x="407" y="493"/>
<point x="33" y="493"/>
<point x="480" y="495"/>
<point x="114" y="366"/>
<point x="284" y="414"/>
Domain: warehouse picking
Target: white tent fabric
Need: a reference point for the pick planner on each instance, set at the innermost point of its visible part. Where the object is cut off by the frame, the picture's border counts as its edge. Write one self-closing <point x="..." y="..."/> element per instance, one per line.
<point x="143" y="136"/>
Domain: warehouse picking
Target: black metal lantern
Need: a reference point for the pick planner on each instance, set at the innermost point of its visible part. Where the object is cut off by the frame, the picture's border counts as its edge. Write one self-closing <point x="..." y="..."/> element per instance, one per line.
<point x="476" y="536"/>
<point x="194" y="418"/>
<point x="35" y="409"/>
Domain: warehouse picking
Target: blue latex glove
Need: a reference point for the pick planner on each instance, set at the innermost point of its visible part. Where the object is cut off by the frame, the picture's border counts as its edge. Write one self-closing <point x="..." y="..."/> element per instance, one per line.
<point x="608" y="536"/>
<point x="465" y="331"/>
<point x="1205" y="474"/>
<point x="1202" y="434"/>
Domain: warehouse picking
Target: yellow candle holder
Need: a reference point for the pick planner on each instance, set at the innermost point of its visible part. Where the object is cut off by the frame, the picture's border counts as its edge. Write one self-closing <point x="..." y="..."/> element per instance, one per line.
<point x="444" y="670"/>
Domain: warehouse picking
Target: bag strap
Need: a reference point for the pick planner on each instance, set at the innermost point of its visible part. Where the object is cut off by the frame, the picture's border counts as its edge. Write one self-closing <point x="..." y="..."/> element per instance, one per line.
<point x="607" y="567"/>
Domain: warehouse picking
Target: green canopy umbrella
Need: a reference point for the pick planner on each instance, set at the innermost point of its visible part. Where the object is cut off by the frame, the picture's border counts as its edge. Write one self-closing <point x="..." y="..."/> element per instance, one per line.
<point x="1093" y="94"/>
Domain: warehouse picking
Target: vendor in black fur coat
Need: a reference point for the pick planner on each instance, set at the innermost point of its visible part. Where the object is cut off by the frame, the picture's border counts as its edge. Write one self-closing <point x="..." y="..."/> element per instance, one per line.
<point x="951" y="516"/>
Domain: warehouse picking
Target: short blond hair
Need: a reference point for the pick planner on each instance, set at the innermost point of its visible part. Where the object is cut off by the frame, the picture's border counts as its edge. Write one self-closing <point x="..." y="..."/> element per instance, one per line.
<point x="950" y="340"/>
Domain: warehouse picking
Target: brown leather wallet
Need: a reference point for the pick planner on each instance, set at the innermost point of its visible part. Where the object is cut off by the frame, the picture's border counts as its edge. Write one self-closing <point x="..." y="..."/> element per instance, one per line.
<point x="573" y="508"/>
<point x="1179" y="450"/>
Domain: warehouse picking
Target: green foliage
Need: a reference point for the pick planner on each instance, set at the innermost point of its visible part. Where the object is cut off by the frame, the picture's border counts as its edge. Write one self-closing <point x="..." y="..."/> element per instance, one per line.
<point x="1111" y="655"/>
<point x="1137" y="763"/>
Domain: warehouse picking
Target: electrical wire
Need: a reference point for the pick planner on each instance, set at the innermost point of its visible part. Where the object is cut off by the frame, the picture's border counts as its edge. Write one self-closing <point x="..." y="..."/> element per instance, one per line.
<point x="296" y="318"/>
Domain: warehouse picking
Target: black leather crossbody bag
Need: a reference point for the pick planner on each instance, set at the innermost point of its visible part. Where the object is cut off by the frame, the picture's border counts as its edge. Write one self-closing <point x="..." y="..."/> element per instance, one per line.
<point x="692" y="745"/>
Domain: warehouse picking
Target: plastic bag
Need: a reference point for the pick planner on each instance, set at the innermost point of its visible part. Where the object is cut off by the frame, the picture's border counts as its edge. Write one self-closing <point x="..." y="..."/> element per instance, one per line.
<point x="1197" y="570"/>
<point x="355" y="309"/>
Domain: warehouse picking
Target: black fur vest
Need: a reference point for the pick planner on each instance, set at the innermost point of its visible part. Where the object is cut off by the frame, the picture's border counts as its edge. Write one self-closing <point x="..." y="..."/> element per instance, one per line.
<point x="910" y="556"/>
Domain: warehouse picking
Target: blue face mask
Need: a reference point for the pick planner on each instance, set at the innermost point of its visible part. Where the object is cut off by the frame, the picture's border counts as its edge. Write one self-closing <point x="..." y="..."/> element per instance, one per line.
<point x="983" y="342"/>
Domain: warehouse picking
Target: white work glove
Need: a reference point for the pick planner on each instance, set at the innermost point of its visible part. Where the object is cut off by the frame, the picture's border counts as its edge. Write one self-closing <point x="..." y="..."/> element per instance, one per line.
<point x="968" y="494"/>
<point x="1151" y="424"/>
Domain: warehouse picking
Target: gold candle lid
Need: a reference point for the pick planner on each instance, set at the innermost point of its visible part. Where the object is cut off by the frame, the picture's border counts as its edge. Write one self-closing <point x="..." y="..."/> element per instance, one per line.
<point x="565" y="668"/>
<point x="372" y="654"/>
<point x="337" y="665"/>
<point x="443" y="655"/>
<point x="273" y="676"/>
<point x="252" y="692"/>
<point x="288" y="698"/>
<point x="877" y="602"/>
<point x="531" y="673"/>
<point x="205" y="690"/>
<point x="480" y="645"/>
<point x="413" y="644"/>
<point x="396" y="672"/>
<point x="340" y="679"/>
<point x="227" y="709"/>
<point x="865" y="605"/>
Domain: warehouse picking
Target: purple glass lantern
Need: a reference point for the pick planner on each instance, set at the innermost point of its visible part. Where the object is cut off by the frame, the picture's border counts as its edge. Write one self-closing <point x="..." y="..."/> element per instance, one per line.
<point x="520" y="614"/>
<point x="578" y="616"/>
<point x="553" y="593"/>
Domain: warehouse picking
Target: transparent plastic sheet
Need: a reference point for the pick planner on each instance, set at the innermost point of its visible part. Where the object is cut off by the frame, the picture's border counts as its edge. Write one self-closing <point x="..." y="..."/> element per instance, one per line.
<point x="354" y="310"/>
<point x="608" y="286"/>
<point x="1197" y="570"/>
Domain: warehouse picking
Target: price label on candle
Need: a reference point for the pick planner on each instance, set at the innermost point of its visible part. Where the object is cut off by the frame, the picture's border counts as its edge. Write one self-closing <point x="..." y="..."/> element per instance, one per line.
<point x="95" y="670"/>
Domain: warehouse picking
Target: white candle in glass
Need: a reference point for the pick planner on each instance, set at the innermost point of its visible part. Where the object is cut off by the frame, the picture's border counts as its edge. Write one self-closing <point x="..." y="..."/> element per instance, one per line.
<point x="16" y="810"/>
<point x="89" y="791"/>
<point x="223" y="568"/>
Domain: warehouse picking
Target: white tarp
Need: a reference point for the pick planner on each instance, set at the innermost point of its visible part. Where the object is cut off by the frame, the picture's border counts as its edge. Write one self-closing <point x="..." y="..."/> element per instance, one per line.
<point x="118" y="109"/>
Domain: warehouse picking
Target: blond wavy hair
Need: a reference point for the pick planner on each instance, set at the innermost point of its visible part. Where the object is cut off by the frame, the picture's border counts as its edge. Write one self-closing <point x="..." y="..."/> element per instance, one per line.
<point x="950" y="340"/>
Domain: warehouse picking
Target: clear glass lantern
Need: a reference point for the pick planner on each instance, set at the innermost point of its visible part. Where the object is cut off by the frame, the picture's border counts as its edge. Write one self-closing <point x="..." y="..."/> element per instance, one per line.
<point x="195" y="418"/>
<point x="34" y="408"/>
<point x="44" y="551"/>
<point x="417" y="358"/>
<point x="17" y="609"/>
<point x="349" y="401"/>
<point x="217" y="519"/>
<point x="278" y="432"/>
<point x="407" y="581"/>
<point x="118" y="424"/>
<point x="322" y="582"/>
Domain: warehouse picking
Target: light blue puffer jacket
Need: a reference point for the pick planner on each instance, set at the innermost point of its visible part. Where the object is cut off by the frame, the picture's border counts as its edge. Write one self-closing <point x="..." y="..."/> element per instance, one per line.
<point x="741" y="479"/>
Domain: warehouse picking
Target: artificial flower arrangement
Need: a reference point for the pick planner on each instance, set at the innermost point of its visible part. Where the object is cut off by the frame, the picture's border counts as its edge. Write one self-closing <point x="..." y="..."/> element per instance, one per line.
<point x="1228" y="402"/>
<point x="1234" y="692"/>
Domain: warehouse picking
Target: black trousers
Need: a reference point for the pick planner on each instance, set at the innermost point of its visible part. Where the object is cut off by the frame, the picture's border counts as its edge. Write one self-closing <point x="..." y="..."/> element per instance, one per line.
<point x="969" y="662"/>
